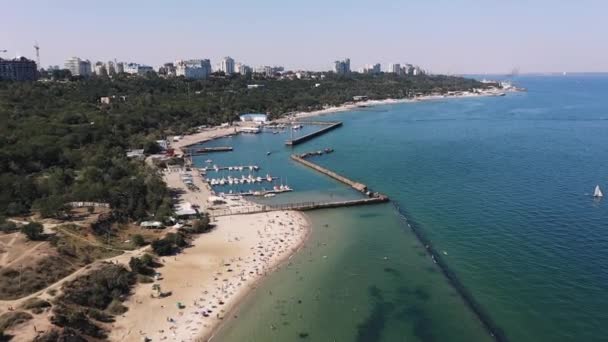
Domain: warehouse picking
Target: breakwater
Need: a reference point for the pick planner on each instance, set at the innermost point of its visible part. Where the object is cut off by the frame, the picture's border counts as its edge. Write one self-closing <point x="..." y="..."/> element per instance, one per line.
<point x="328" y="127"/>
<point x="355" y="185"/>
<point x="484" y="317"/>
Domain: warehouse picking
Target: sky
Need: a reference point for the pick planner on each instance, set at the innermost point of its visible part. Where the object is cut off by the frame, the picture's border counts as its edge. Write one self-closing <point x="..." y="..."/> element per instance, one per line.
<point x="443" y="36"/>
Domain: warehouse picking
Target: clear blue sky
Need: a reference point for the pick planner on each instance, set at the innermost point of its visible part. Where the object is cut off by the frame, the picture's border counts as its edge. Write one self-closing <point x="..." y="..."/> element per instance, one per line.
<point x="448" y="36"/>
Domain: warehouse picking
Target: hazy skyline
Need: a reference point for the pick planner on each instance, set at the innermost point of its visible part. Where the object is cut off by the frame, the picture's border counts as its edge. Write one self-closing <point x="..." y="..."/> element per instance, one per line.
<point x="459" y="36"/>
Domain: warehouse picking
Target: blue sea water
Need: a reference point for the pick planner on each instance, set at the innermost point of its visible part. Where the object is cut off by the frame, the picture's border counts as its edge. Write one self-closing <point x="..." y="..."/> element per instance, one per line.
<point x="502" y="185"/>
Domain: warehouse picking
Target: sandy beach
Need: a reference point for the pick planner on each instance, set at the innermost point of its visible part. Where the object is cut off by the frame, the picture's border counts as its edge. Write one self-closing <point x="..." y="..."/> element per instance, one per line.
<point x="369" y="103"/>
<point x="210" y="277"/>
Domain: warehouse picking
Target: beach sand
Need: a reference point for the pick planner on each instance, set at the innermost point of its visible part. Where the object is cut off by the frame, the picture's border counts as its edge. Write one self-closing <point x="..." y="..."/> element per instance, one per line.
<point x="211" y="277"/>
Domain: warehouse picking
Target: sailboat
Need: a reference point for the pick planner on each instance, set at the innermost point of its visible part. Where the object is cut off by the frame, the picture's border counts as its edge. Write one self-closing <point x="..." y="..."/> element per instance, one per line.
<point x="598" y="193"/>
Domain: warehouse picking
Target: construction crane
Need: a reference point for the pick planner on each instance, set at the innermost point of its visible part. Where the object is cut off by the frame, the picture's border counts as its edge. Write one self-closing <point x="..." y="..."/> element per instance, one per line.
<point x="37" y="54"/>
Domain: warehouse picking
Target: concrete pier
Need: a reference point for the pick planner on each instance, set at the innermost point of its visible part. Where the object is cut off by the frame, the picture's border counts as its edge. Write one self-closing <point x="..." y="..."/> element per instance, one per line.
<point x="355" y="185"/>
<point x="205" y="150"/>
<point x="328" y="127"/>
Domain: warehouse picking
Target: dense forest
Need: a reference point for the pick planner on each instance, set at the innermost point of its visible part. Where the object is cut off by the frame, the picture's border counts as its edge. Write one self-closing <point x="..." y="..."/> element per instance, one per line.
<point x="60" y="144"/>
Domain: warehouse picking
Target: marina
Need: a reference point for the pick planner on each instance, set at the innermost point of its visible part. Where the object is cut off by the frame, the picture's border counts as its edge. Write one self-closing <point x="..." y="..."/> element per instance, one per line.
<point x="230" y="168"/>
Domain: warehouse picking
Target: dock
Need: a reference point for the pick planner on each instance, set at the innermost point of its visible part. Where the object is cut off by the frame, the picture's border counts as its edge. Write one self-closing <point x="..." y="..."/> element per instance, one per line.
<point x="328" y="127"/>
<point x="230" y="168"/>
<point x="205" y="150"/>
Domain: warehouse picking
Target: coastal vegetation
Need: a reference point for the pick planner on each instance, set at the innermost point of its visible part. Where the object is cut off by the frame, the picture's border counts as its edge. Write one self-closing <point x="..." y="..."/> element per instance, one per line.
<point x="60" y="144"/>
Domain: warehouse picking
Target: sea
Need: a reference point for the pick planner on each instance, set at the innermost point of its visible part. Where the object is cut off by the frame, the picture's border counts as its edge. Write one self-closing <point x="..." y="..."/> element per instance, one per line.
<point x="500" y="186"/>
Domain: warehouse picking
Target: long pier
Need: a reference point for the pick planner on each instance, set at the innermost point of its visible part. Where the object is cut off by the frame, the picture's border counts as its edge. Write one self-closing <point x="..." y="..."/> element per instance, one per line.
<point x="328" y="127"/>
<point x="355" y="185"/>
<point x="302" y="206"/>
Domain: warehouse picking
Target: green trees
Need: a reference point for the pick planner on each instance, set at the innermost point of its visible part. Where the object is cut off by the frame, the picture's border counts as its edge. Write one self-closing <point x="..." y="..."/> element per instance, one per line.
<point x="33" y="231"/>
<point x="59" y="145"/>
<point x="201" y="225"/>
<point x="169" y="244"/>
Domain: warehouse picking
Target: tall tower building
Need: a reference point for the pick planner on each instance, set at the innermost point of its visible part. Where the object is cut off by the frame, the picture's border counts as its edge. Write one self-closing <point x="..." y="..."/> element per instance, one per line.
<point x="227" y="65"/>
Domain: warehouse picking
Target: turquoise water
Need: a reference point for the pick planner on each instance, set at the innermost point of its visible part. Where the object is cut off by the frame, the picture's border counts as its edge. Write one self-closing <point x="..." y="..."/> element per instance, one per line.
<point x="502" y="185"/>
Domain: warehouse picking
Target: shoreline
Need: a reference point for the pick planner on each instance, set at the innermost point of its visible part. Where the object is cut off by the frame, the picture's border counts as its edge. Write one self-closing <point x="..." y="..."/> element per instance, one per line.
<point x="218" y="132"/>
<point x="256" y="284"/>
<point x="216" y="273"/>
<point x="371" y="103"/>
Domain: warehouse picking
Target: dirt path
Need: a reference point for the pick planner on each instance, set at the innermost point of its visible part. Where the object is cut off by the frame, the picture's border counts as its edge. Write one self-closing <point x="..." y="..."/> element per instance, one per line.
<point x="24" y="254"/>
<point x="4" y="260"/>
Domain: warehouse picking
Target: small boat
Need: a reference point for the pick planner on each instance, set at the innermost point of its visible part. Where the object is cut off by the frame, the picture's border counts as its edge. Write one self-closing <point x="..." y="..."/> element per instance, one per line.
<point x="598" y="192"/>
<point x="269" y="195"/>
<point x="268" y="153"/>
<point x="208" y="161"/>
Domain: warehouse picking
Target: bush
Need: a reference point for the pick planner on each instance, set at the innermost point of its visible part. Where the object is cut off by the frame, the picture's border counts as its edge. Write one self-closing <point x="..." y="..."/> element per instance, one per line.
<point x="13" y="318"/>
<point x="138" y="267"/>
<point x="63" y="335"/>
<point x="7" y="226"/>
<point x="76" y="319"/>
<point x="99" y="288"/>
<point x="201" y="225"/>
<point x="116" y="308"/>
<point x="138" y="240"/>
<point x="163" y="247"/>
<point x="33" y="231"/>
<point x="36" y="305"/>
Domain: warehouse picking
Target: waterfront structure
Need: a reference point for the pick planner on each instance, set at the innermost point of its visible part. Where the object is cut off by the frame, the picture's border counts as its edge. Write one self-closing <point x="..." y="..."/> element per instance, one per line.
<point x="342" y="67"/>
<point x="18" y="69"/>
<point x="254" y="117"/>
<point x="227" y="65"/>
<point x="78" y="67"/>
<point x="193" y="68"/>
<point x="395" y="68"/>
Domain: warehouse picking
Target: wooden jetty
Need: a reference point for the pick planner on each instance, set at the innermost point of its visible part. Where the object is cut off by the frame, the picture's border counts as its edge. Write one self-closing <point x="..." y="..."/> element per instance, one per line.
<point x="328" y="127"/>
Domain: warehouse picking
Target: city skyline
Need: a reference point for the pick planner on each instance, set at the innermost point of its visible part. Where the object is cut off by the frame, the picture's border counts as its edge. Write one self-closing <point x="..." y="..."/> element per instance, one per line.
<point x="446" y="37"/>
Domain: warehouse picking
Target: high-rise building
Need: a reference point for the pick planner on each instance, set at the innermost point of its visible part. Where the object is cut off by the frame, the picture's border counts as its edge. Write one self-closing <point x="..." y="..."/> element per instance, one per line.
<point x="100" y="69"/>
<point x="167" y="70"/>
<point x="78" y="67"/>
<point x="227" y="65"/>
<point x="395" y="68"/>
<point x="18" y="69"/>
<point x="372" y="69"/>
<point x="243" y="69"/>
<point x="342" y="67"/>
<point x="137" y="69"/>
<point x="194" y="68"/>
<point x="111" y="68"/>
<point x="120" y="67"/>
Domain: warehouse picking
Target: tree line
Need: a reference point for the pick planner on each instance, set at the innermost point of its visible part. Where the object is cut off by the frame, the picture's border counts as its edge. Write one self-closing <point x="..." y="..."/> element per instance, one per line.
<point x="60" y="144"/>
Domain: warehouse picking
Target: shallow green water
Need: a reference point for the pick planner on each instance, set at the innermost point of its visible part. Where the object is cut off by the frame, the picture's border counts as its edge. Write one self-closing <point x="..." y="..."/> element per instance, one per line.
<point x="361" y="277"/>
